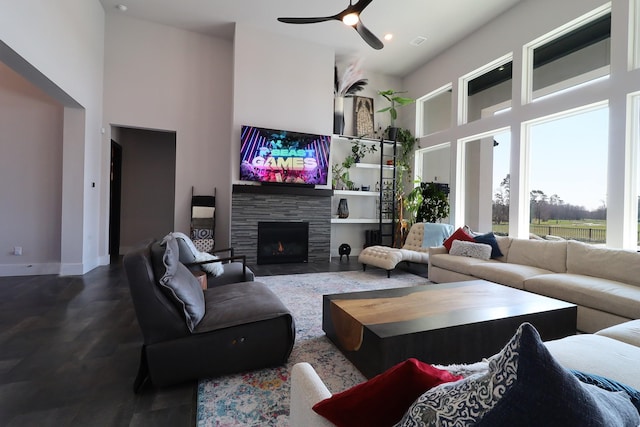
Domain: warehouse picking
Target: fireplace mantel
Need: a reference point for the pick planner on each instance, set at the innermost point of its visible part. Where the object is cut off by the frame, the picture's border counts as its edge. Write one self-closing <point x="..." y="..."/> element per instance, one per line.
<point x="289" y="189"/>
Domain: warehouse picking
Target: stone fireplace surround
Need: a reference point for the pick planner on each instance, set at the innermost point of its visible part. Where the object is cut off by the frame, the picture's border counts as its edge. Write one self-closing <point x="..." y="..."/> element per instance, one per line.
<point x="251" y="204"/>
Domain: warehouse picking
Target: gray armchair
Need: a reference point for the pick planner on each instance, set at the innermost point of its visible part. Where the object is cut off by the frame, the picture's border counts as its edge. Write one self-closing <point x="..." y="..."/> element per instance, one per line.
<point x="189" y="333"/>
<point x="231" y="268"/>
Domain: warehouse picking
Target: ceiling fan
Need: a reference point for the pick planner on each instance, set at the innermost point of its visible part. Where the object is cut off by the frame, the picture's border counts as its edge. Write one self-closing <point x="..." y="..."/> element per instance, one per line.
<point x="350" y="16"/>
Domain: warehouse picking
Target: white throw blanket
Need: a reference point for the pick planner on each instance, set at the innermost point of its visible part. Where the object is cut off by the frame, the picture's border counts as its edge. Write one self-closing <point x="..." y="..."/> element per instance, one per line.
<point x="214" y="268"/>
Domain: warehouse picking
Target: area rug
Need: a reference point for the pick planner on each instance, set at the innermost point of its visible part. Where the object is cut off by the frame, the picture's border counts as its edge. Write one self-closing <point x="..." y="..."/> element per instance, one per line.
<point x="261" y="398"/>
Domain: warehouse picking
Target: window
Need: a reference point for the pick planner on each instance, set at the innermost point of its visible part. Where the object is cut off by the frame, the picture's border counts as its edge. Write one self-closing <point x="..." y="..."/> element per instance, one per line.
<point x="577" y="53"/>
<point x="435" y="110"/>
<point x="567" y="182"/>
<point x="486" y="88"/>
<point x="634" y="24"/>
<point x="485" y="181"/>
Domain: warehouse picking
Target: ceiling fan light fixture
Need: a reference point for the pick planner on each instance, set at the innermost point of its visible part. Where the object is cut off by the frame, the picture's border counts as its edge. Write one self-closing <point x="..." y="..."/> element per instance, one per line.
<point x="388" y="36"/>
<point x="350" y="19"/>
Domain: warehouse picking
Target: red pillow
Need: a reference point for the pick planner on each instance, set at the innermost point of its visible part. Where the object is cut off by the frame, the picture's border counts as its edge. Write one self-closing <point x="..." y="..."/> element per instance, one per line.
<point x="459" y="234"/>
<point x="383" y="400"/>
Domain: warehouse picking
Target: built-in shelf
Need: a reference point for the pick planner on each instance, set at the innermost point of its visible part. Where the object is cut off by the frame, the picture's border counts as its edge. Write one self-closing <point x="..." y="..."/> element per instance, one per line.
<point x="356" y="193"/>
<point x="358" y="221"/>
<point x="372" y="166"/>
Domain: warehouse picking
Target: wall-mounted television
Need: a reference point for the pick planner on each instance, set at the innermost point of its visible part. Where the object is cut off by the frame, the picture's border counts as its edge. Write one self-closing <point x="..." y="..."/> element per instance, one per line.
<point x="281" y="156"/>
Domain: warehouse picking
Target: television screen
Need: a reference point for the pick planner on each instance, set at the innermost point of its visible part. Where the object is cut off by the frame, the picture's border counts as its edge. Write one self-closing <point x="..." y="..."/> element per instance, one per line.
<point x="269" y="155"/>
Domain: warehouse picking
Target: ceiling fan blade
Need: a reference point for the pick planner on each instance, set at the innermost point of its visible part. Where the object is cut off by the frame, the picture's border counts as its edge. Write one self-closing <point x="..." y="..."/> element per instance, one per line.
<point x="306" y="20"/>
<point x="368" y="36"/>
<point x="359" y="7"/>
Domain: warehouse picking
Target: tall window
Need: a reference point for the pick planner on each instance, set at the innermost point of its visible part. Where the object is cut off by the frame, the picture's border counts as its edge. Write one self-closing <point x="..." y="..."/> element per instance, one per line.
<point x="486" y="182"/>
<point x="435" y="110"/>
<point x="572" y="55"/>
<point x="486" y="88"/>
<point x="567" y="183"/>
<point x="635" y="35"/>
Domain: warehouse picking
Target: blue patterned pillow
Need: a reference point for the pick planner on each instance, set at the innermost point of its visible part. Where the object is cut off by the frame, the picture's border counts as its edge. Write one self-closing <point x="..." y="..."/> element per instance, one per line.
<point x="609" y="385"/>
<point x="524" y="386"/>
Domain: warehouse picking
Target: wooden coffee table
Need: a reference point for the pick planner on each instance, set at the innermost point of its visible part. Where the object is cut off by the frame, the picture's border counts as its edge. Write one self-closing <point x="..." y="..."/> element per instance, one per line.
<point x="461" y="322"/>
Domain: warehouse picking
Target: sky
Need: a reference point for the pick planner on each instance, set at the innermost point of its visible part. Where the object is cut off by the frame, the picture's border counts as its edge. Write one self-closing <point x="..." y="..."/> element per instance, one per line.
<point x="568" y="158"/>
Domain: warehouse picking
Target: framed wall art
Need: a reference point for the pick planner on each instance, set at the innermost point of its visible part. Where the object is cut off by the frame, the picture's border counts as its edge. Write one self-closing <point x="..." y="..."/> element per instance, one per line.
<point x="363" y="117"/>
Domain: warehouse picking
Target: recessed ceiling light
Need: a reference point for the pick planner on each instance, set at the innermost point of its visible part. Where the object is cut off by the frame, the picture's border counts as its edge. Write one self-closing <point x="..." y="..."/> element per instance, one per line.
<point x="122" y="7"/>
<point x="388" y="36"/>
<point x="418" y="41"/>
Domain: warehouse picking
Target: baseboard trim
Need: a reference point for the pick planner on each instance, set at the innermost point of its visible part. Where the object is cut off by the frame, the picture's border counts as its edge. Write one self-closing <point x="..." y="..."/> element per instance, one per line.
<point x="7" y="270"/>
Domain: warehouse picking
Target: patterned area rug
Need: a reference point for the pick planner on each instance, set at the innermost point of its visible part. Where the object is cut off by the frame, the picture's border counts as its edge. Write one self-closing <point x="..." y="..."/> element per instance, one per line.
<point x="261" y="398"/>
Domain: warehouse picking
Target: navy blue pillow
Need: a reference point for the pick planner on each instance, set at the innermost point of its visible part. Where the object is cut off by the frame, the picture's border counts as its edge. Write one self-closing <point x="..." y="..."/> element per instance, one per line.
<point x="490" y="239"/>
<point x="609" y="385"/>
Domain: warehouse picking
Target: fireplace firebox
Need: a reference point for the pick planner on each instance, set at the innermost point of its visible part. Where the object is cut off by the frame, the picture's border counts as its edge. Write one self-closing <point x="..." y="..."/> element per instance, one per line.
<point x="283" y="242"/>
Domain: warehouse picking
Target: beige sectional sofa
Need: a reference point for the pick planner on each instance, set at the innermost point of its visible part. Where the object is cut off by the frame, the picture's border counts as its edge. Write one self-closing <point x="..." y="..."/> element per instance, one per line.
<point x="604" y="283"/>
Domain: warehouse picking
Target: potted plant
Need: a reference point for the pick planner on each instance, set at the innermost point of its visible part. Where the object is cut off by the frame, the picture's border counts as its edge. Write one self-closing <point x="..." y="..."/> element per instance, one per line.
<point x="395" y="100"/>
<point x="340" y="176"/>
<point x="360" y="149"/>
<point x="428" y="202"/>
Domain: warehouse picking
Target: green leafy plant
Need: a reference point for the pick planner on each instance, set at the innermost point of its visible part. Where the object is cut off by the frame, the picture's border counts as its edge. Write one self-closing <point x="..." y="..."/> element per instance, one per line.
<point x="407" y="143"/>
<point x="394" y="100"/>
<point x="428" y="202"/>
<point x="360" y="149"/>
<point x="340" y="171"/>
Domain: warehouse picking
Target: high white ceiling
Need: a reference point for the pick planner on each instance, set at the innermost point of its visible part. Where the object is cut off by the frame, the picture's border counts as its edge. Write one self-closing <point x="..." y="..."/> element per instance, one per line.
<point x="442" y="23"/>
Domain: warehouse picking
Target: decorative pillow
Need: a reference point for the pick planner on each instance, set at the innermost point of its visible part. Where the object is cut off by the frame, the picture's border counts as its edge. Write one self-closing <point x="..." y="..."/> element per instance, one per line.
<point x="490" y="239"/>
<point x="181" y="286"/>
<point x="525" y="386"/>
<point x="190" y="254"/>
<point x="459" y="234"/>
<point x="385" y="398"/>
<point x="470" y="249"/>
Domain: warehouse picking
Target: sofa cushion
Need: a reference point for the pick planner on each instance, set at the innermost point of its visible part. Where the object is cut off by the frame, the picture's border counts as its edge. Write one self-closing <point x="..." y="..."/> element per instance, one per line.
<point x="600" y="294"/>
<point x="538" y="253"/>
<point x="242" y="303"/>
<point x="459" y="234"/>
<point x="599" y="351"/>
<point x="614" y="264"/>
<point x="628" y="332"/>
<point x="384" y="399"/>
<point x="490" y="239"/>
<point x="181" y="285"/>
<point x="513" y="275"/>
<point x="470" y="249"/>
<point x="456" y="263"/>
<point x="524" y="386"/>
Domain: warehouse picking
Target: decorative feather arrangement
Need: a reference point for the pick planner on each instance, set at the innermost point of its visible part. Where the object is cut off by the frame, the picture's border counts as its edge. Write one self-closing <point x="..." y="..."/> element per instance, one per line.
<point x="352" y="81"/>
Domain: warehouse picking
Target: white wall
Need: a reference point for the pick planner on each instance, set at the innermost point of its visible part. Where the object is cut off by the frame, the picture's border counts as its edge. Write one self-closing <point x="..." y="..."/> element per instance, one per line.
<point x="58" y="46"/>
<point x="31" y="175"/>
<point x="159" y="77"/>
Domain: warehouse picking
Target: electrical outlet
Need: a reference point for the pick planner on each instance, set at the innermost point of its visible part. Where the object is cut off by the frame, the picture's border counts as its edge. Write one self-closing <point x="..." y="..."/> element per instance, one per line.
<point x="17" y="250"/>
